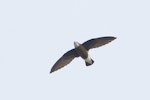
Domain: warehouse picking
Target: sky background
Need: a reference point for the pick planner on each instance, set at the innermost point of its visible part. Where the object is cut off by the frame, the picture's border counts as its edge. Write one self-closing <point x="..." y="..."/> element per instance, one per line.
<point x="34" y="34"/>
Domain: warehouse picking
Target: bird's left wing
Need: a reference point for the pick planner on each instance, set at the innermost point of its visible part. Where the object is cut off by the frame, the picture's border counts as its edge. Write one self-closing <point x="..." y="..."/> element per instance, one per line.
<point x="64" y="60"/>
<point x="97" y="42"/>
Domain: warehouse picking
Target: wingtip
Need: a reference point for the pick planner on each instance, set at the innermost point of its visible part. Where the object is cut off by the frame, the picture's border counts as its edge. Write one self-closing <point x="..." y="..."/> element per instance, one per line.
<point x="110" y="37"/>
<point x="114" y="38"/>
<point x="51" y="71"/>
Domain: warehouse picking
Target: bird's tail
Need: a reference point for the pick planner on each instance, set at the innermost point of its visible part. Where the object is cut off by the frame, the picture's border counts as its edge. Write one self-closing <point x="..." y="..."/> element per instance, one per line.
<point x="88" y="64"/>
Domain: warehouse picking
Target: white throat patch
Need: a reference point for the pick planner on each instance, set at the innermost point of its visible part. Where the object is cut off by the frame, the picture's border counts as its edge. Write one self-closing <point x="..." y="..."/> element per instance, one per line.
<point x="76" y="44"/>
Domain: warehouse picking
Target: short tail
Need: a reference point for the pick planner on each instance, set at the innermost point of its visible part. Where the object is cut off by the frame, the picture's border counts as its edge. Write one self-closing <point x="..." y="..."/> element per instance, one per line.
<point x="88" y="64"/>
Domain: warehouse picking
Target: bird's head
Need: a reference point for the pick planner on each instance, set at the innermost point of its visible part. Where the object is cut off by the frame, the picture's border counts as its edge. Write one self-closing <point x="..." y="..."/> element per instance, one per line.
<point x="76" y="44"/>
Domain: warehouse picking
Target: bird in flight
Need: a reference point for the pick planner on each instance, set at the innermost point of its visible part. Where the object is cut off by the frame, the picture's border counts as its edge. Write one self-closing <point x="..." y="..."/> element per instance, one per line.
<point x="81" y="50"/>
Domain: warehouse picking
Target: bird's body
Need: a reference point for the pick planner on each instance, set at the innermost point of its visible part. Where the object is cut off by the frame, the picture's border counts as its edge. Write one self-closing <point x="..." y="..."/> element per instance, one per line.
<point x="81" y="50"/>
<point x="83" y="53"/>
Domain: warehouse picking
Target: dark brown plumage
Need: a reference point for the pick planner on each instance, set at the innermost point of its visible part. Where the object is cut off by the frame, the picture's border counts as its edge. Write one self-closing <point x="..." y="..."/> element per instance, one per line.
<point x="82" y="51"/>
<point x="97" y="42"/>
<point x="64" y="60"/>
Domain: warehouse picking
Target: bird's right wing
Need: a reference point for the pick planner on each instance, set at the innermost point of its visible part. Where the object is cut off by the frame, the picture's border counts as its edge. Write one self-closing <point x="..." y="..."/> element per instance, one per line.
<point x="64" y="60"/>
<point x="97" y="42"/>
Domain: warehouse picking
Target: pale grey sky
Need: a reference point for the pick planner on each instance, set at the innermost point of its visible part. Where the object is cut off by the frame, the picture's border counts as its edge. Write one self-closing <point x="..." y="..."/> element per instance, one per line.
<point x="34" y="34"/>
